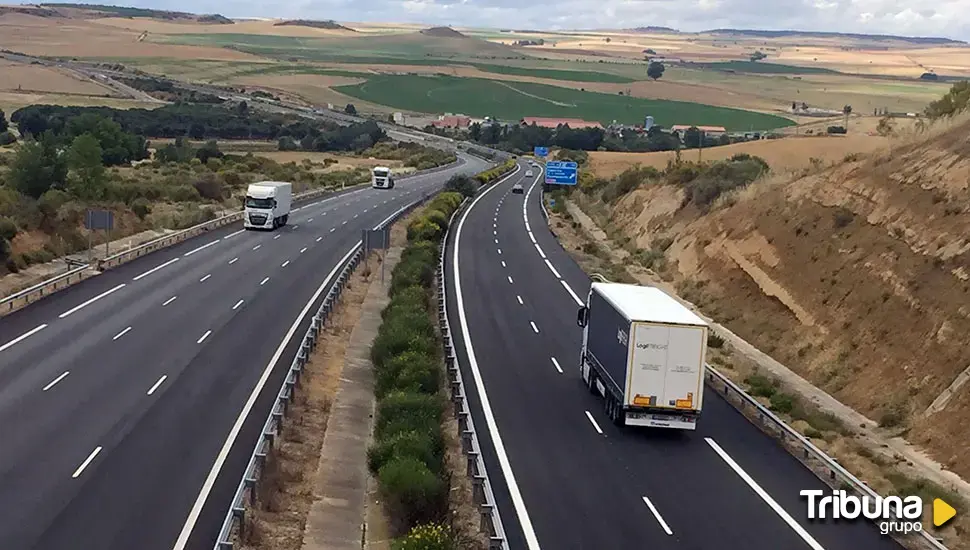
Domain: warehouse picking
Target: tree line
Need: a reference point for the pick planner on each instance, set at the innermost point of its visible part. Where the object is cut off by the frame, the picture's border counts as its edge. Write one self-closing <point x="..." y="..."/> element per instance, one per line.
<point x="521" y="139"/>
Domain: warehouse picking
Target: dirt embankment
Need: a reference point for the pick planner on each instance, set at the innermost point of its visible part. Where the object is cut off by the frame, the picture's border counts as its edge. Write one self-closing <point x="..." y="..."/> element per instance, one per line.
<point x="856" y="276"/>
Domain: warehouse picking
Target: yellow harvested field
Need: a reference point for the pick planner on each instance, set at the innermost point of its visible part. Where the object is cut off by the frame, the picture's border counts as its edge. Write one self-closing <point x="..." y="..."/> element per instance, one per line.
<point x="18" y="77"/>
<point x="83" y="38"/>
<point x="155" y="26"/>
<point x="10" y="102"/>
<point x="784" y="154"/>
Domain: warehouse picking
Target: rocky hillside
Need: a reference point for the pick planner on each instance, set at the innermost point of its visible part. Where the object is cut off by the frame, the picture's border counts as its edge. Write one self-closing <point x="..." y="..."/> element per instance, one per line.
<point x="856" y="275"/>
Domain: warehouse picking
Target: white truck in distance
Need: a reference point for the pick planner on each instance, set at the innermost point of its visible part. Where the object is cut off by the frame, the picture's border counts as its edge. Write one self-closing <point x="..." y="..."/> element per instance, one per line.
<point x="382" y="178"/>
<point x="268" y="205"/>
<point x="644" y="353"/>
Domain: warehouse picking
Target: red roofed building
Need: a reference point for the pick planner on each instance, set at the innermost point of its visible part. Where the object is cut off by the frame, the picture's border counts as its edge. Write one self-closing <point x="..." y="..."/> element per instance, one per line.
<point x="452" y="121"/>
<point x="574" y="123"/>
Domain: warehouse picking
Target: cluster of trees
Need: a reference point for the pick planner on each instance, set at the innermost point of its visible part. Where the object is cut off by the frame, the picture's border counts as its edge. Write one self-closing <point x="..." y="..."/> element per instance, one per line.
<point x="73" y="156"/>
<point x="953" y="102"/>
<point x="171" y="121"/>
<point x="356" y="137"/>
<point x="522" y="139"/>
<point x="6" y="136"/>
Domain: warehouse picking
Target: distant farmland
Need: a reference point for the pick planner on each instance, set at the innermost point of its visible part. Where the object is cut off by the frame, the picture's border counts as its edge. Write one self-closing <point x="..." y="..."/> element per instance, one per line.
<point x="514" y="100"/>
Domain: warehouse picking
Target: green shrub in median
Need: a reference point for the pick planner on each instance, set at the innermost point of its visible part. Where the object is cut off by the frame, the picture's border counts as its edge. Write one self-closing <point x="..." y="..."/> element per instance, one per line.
<point x="408" y="453"/>
<point x="413" y="493"/>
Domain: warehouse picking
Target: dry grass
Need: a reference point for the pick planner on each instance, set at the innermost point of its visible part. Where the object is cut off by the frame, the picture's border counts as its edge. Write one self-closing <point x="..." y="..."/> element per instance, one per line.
<point x="285" y="491"/>
<point x="787" y="154"/>
<point x="84" y="38"/>
<point x="10" y="102"/>
<point x="21" y="78"/>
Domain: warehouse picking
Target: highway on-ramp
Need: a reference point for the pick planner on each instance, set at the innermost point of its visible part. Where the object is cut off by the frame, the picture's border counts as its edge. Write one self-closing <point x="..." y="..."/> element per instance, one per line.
<point x="564" y="476"/>
<point x="118" y="395"/>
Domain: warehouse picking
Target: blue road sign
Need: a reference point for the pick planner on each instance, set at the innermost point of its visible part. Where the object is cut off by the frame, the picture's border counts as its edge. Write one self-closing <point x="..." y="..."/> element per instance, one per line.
<point x="541" y="151"/>
<point x="560" y="172"/>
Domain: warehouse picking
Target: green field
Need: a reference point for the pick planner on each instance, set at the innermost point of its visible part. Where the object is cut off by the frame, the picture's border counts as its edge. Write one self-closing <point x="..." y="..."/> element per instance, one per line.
<point x="299" y="69"/>
<point x="514" y="100"/>
<point x="391" y="50"/>
<point x="759" y="68"/>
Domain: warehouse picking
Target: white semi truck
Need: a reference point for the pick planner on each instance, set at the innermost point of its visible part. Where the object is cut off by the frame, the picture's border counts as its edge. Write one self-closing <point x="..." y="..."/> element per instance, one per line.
<point x="644" y="353"/>
<point x="382" y="178"/>
<point x="268" y="205"/>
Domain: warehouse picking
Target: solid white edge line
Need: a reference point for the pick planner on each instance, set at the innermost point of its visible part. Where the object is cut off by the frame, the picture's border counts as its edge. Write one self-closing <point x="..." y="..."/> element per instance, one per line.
<point x="241" y="419"/>
<point x="514" y="493"/>
<point x="657" y="515"/>
<point x="157" y="384"/>
<point x="204" y="336"/>
<point x="556" y="364"/>
<point x="203" y="247"/>
<point x="571" y="293"/>
<point x="91" y="301"/>
<point x="23" y="336"/>
<point x="154" y="269"/>
<point x="122" y="333"/>
<point x="554" y="272"/>
<point x="799" y="530"/>
<point x="592" y="421"/>
<point x="56" y="380"/>
<point x="87" y="461"/>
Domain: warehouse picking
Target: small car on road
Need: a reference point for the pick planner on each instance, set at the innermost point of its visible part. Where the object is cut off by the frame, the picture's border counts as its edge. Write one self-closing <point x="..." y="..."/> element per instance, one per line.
<point x="528" y="173"/>
<point x="517" y="188"/>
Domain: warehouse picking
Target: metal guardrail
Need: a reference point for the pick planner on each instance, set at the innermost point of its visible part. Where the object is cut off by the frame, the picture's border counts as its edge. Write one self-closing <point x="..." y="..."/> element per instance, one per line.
<point x="234" y="521"/>
<point x="490" y="521"/>
<point x="46" y="288"/>
<point x="790" y="437"/>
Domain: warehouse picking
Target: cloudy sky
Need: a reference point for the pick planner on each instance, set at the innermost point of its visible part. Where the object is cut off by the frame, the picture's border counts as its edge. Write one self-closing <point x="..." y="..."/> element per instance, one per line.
<point x="949" y="18"/>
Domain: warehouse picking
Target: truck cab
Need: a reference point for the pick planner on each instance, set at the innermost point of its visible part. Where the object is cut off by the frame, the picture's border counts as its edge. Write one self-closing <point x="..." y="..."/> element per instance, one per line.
<point x="267" y="205"/>
<point x="382" y="178"/>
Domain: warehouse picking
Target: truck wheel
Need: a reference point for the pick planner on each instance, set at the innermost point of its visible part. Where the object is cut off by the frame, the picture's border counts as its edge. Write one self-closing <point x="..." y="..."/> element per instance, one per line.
<point x="286" y="218"/>
<point x="615" y="411"/>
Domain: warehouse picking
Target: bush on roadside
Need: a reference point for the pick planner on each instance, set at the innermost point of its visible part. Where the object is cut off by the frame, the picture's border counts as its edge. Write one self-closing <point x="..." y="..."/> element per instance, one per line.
<point x="432" y="536"/>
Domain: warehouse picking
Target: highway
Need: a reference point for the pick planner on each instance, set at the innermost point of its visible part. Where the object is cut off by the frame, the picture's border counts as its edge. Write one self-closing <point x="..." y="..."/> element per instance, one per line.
<point x="119" y="396"/>
<point x="564" y="476"/>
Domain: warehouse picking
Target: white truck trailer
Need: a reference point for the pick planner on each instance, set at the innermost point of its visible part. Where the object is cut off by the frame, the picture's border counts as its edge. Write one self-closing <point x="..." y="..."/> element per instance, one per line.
<point x="382" y="178"/>
<point x="268" y="205"/>
<point x="644" y="353"/>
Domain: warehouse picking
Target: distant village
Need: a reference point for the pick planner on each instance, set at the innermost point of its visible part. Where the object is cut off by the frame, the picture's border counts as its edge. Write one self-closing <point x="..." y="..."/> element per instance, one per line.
<point x="450" y="121"/>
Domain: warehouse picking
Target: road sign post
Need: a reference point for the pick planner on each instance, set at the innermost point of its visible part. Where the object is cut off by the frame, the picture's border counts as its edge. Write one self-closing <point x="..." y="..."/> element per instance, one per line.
<point x="561" y="172"/>
<point x="100" y="219"/>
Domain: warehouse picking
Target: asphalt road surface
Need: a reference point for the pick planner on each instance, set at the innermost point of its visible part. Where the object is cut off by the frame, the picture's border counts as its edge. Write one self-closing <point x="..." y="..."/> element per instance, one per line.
<point x="564" y="476"/>
<point x="118" y="394"/>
